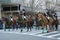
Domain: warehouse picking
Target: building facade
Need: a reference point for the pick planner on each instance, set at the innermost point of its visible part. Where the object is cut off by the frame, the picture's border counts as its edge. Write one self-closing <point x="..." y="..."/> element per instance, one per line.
<point x="30" y="5"/>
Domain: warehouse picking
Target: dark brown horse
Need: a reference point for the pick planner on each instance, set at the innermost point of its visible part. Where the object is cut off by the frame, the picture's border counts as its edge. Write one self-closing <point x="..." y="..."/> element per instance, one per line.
<point x="56" y="23"/>
<point x="21" y="22"/>
<point x="45" y="22"/>
<point x="50" y="23"/>
<point x="38" y="24"/>
<point x="13" y="23"/>
<point x="28" y="21"/>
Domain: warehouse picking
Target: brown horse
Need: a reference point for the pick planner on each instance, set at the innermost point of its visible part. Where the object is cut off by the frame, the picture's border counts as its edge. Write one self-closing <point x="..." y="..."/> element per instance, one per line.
<point x="28" y="21"/>
<point x="37" y="20"/>
<point x="21" y="22"/>
<point x="50" y="23"/>
<point x="45" y="22"/>
<point x="13" y="23"/>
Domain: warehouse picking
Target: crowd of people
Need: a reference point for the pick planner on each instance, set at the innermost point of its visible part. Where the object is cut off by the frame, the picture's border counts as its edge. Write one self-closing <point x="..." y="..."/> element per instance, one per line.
<point x="41" y="20"/>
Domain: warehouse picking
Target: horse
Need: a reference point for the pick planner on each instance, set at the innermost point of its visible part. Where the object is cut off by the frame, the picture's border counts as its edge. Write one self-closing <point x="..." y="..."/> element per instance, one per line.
<point x="56" y="23"/>
<point x="37" y="22"/>
<point x="28" y="21"/>
<point x="21" y="22"/>
<point x="51" y="23"/>
<point x="13" y="23"/>
<point x="45" y="22"/>
<point x="7" y="23"/>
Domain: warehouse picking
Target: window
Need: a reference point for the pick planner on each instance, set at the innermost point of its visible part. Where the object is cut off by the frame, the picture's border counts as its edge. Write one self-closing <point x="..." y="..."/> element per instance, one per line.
<point x="6" y="8"/>
<point x="14" y="7"/>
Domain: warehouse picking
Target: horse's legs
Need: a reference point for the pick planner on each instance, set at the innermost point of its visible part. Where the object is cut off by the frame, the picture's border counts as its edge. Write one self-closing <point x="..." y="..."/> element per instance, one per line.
<point x="27" y="28"/>
<point x="21" y="28"/>
<point x="9" y="28"/>
<point x="50" y="28"/>
<point x="56" y="26"/>
<point x="16" y="26"/>
<point x="37" y="27"/>
<point x="53" y="27"/>
<point x="13" y="27"/>
<point x="5" y="28"/>
<point x="46" y="27"/>
<point x="30" y="28"/>
<point x="42" y="28"/>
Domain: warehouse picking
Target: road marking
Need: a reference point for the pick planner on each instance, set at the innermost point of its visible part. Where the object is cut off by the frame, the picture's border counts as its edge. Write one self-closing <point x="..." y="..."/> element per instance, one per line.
<point x="28" y="33"/>
<point x="47" y="33"/>
<point x="32" y="33"/>
<point x="39" y="34"/>
<point x="58" y="38"/>
<point x="54" y="35"/>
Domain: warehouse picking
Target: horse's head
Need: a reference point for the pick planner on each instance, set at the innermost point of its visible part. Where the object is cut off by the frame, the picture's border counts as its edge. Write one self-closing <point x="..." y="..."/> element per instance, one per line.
<point x="40" y="14"/>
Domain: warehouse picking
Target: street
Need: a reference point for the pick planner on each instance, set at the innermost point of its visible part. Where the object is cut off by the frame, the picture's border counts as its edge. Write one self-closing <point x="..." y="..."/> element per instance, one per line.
<point x="31" y="35"/>
<point x="8" y="36"/>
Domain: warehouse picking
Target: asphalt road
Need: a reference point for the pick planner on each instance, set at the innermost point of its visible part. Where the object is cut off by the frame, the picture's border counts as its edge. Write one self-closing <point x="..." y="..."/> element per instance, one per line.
<point x="7" y="36"/>
<point x="33" y="35"/>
